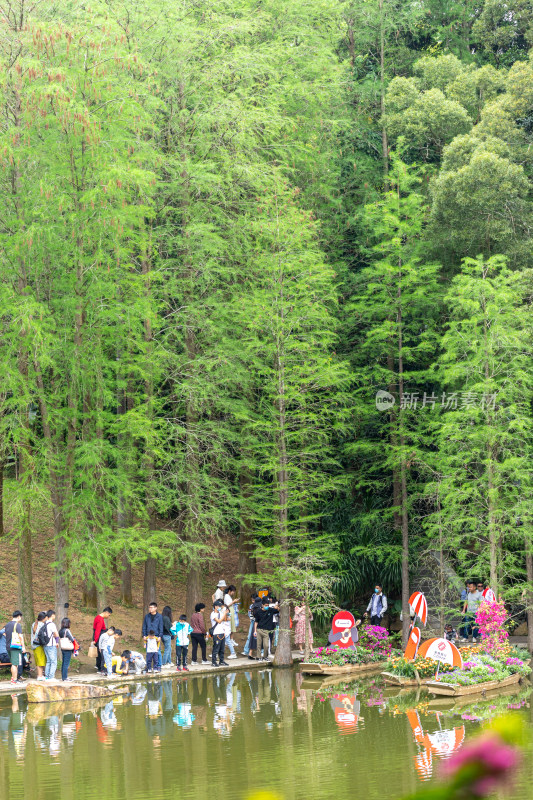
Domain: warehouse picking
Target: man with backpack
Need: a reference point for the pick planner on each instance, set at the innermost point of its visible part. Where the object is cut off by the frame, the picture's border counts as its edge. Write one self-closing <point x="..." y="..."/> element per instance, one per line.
<point x="15" y="646"/>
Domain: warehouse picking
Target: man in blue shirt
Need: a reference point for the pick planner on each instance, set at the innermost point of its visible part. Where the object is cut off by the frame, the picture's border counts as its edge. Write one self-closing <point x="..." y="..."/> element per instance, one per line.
<point x="153" y="621"/>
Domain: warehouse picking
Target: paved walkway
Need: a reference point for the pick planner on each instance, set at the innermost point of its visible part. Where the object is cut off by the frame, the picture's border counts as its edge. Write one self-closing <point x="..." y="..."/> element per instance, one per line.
<point x="6" y="687"/>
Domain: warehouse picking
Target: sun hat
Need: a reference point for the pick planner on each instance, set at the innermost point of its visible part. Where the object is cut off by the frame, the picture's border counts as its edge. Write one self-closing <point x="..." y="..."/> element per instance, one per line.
<point x="221" y="584"/>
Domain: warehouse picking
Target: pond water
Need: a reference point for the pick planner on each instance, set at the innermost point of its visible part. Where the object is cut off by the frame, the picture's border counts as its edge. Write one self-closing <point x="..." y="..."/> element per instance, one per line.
<point x="223" y="735"/>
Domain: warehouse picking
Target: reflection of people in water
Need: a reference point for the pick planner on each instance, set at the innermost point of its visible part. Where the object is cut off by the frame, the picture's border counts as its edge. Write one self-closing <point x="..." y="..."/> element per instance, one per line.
<point x="108" y="716"/>
<point x="198" y="687"/>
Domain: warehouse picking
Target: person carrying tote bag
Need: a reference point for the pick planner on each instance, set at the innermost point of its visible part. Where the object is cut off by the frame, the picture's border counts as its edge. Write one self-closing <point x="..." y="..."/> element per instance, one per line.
<point x="68" y="645"/>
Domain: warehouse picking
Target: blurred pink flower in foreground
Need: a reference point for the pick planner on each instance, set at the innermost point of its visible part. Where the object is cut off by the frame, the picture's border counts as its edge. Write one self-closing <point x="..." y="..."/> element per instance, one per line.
<point x="484" y="765"/>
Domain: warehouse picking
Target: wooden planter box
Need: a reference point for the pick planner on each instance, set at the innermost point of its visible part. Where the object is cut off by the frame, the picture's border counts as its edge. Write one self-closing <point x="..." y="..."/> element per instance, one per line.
<point x="452" y="690"/>
<point x="349" y="669"/>
<point x="399" y="680"/>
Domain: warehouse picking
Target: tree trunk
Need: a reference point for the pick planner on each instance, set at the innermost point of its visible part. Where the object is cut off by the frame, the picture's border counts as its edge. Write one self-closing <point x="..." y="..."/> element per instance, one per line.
<point x="247" y="560"/>
<point x="25" y="577"/>
<point x="529" y="601"/>
<point x="126" y="592"/>
<point x="194" y="588"/>
<point x="61" y="575"/>
<point x="101" y="597"/>
<point x="384" y="141"/>
<point x="406" y="616"/>
<point x="88" y="595"/>
<point x="149" y="588"/>
<point x="283" y="657"/>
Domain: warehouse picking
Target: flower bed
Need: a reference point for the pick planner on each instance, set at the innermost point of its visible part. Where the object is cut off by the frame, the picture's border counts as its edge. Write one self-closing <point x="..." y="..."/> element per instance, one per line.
<point x="373" y="647"/>
<point x="482" y="667"/>
<point x="340" y="657"/>
<point x="426" y="667"/>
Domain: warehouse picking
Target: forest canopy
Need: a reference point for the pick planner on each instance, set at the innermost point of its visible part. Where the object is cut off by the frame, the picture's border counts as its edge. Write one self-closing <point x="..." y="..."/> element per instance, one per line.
<point x="265" y="273"/>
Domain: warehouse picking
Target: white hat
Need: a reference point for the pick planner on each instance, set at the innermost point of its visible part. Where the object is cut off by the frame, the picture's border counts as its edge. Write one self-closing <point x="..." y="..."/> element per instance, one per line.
<point x="221" y="584"/>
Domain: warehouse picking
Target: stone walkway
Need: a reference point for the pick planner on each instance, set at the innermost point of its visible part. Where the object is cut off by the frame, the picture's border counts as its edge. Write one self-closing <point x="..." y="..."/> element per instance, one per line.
<point x="200" y="669"/>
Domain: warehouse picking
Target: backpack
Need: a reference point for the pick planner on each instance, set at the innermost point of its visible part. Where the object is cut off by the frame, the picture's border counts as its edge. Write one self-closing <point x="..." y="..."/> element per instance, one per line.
<point x="43" y="636"/>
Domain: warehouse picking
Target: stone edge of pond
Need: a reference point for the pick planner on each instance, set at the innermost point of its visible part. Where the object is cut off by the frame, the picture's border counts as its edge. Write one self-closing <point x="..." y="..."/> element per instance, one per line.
<point x="6" y="688"/>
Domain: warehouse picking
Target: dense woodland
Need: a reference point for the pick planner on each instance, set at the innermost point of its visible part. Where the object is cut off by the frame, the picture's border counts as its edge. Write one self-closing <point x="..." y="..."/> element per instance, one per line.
<point x="225" y="225"/>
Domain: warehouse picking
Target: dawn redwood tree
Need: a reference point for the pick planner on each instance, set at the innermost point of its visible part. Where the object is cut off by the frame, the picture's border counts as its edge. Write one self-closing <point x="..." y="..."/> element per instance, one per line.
<point x="395" y="333"/>
<point x="288" y="335"/>
<point x="485" y="435"/>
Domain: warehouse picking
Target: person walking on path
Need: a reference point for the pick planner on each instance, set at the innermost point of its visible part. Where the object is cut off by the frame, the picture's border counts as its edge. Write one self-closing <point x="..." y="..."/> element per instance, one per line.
<point x="299" y="633"/>
<point x="67" y="644"/>
<point x="473" y="599"/>
<point x="377" y="606"/>
<point x="100" y="627"/>
<point x="15" y="646"/>
<point x="264" y="625"/>
<point x="182" y="631"/>
<point x="52" y="646"/>
<point x="38" y="651"/>
<point x="167" y="637"/>
<point x="153" y="621"/>
<point x="231" y="602"/>
<point x="198" y="634"/>
<point x="218" y="631"/>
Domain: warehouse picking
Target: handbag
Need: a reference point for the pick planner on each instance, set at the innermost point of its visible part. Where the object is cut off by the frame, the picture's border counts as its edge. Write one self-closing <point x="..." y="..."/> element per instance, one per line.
<point x="66" y="644"/>
<point x="16" y="641"/>
<point x="92" y="652"/>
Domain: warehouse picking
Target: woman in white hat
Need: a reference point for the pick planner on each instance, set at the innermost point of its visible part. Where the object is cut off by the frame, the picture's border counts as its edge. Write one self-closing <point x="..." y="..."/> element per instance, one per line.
<point x="220" y="590"/>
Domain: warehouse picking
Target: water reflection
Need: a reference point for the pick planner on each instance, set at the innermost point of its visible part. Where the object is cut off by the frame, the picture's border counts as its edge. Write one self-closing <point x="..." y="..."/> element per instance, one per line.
<point x="441" y="743"/>
<point x="231" y="732"/>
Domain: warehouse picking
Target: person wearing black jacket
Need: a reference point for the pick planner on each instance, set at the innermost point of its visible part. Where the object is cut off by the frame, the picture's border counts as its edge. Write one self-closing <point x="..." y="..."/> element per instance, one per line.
<point x="153" y="621"/>
<point x="264" y="624"/>
<point x="167" y="636"/>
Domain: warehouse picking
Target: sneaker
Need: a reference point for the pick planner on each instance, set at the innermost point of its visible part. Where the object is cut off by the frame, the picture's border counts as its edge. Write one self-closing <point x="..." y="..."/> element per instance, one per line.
<point x="474" y="640"/>
<point x="194" y="663"/>
<point x="178" y="668"/>
<point x="463" y="640"/>
<point x="13" y="680"/>
<point x="234" y="643"/>
<point x="186" y="669"/>
<point x="224" y="663"/>
<point x="233" y="655"/>
<point x="215" y="665"/>
<point x="251" y="658"/>
<point x="41" y="678"/>
<point x="206" y="662"/>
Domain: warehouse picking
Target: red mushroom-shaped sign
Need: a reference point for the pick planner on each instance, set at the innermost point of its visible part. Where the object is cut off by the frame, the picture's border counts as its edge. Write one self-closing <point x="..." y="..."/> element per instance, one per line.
<point x="343" y="631"/>
<point x="441" y="650"/>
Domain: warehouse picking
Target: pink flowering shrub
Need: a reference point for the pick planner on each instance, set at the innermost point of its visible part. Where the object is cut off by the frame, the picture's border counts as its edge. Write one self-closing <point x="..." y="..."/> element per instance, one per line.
<point x="490" y="620"/>
<point x="481" y="767"/>
<point x="375" y="639"/>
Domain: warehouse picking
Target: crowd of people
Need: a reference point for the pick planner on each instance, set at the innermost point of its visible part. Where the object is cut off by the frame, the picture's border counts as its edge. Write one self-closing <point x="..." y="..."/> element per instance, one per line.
<point x="160" y="632"/>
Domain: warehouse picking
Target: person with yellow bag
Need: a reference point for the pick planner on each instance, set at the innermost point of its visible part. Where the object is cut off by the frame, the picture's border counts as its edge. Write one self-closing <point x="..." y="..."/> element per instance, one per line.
<point x="15" y="646"/>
